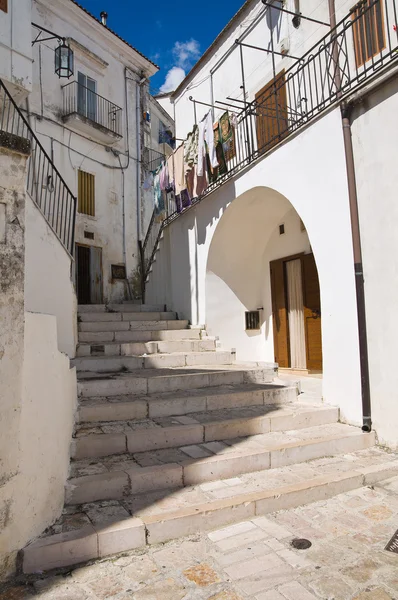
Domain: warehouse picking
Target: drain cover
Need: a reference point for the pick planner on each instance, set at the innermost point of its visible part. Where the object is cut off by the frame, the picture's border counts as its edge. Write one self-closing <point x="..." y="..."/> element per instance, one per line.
<point x="301" y="544"/>
<point x="392" y="545"/>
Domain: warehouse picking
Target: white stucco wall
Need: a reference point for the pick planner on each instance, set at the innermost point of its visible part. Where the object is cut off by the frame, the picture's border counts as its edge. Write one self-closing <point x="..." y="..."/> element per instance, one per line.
<point x="49" y="398"/>
<point x="48" y="285"/>
<point x="315" y="184"/>
<point x="103" y="57"/>
<point x="16" y="48"/>
<point x="375" y="151"/>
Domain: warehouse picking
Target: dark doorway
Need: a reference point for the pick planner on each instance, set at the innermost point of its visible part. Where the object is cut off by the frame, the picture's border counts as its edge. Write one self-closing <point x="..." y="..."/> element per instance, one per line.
<point x="89" y="274"/>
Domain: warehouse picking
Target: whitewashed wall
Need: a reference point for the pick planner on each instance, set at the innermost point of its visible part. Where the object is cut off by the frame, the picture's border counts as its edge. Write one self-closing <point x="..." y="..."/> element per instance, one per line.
<point x="16" y="48"/>
<point x="98" y="54"/>
<point x="48" y="404"/>
<point x="48" y="285"/>
<point x="294" y="175"/>
<point x="376" y="151"/>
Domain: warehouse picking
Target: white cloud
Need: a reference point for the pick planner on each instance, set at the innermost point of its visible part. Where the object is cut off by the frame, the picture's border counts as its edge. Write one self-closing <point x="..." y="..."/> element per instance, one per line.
<point x="173" y="79"/>
<point x="185" y="55"/>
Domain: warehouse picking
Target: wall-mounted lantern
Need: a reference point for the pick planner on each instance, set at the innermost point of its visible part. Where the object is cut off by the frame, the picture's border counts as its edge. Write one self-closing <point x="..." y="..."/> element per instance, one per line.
<point x="64" y="60"/>
<point x="63" y="53"/>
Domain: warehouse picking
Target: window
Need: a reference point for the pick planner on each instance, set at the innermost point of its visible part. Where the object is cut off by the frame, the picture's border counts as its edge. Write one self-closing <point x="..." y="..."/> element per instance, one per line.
<point x="86" y="193"/>
<point x="86" y="97"/>
<point x="4" y="5"/>
<point x="368" y="30"/>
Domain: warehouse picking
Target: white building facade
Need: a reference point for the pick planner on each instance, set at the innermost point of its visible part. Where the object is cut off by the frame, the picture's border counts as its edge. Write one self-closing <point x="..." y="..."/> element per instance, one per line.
<point x="277" y="237"/>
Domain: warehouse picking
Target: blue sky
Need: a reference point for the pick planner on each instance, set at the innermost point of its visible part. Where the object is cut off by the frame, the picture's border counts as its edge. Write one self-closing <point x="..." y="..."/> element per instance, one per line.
<point x="173" y="34"/>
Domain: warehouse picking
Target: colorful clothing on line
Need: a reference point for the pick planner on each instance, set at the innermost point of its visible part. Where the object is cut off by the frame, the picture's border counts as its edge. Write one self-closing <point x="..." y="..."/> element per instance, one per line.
<point x="206" y="136"/>
<point x="164" y="177"/>
<point x="227" y="137"/>
<point x="191" y="148"/>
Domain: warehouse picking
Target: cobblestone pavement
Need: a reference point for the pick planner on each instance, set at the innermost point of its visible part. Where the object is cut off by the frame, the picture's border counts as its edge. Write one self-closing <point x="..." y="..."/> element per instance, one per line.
<point x="252" y="560"/>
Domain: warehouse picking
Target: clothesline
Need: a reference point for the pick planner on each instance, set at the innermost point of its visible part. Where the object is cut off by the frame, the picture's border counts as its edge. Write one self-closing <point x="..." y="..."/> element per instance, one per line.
<point x="197" y="162"/>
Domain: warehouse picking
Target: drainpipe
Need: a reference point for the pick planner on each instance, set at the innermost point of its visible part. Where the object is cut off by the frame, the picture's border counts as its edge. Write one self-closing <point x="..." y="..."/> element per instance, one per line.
<point x="356" y="243"/>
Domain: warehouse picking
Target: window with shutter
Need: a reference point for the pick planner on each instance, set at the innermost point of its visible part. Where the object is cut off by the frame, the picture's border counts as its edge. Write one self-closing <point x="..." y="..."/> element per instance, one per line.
<point x="87" y="97"/>
<point x="368" y="30"/>
<point x="86" y="193"/>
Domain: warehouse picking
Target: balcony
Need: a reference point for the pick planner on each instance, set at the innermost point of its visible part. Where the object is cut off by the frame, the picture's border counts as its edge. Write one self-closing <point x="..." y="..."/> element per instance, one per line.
<point x="89" y="112"/>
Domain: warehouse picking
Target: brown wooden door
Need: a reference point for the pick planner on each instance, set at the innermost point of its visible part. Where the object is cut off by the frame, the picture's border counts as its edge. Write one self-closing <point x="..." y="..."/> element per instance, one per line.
<point x="312" y="313"/>
<point x="271" y="111"/>
<point x="279" y="314"/>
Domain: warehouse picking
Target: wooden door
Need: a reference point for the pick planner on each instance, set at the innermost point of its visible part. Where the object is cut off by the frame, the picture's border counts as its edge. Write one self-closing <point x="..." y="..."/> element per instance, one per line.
<point x="271" y="111"/>
<point x="83" y="274"/>
<point x="312" y="313"/>
<point x="279" y="313"/>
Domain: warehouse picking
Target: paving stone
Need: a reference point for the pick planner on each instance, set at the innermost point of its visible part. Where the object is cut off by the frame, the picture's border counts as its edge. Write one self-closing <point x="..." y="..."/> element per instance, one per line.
<point x="141" y="568"/>
<point x="108" y="586"/>
<point x="270" y="595"/>
<point x="373" y="594"/>
<point x="226" y="532"/>
<point x="332" y="587"/>
<point x="254" y="566"/>
<point x="378" y="513"/>
<point x="267" y="580"/>
<point x="241" y="540"/>
<point x="254" y="550"/>
<point x="271" y="528"/>
<point x="295" y="591"/>
<point x="226" y="595"/>
<point x="195" y="451"/>
<point x="164" y="590"/>
<point x="203" y="575"/>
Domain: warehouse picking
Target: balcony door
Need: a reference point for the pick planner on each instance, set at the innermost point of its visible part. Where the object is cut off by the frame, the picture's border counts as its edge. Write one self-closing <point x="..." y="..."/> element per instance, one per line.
<point x="87" y="97"/>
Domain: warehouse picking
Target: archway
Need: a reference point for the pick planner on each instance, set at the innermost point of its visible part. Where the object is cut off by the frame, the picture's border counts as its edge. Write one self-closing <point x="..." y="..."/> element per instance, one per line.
<point x="260" y="261"/>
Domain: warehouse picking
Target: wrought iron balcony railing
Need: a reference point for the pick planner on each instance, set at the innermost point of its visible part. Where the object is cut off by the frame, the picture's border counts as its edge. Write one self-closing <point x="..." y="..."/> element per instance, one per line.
<point x="44" y="183"/>
<point x="350" y="55"/>
<point x="80" y="101"/>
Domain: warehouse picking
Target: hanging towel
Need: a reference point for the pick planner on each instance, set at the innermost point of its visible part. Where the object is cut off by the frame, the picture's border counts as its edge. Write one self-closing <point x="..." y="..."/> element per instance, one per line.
<point x="206" y="135"/>
<point x="164" y="177"/>
<point x="191" y="149"/>
<point x="178" y="171"/>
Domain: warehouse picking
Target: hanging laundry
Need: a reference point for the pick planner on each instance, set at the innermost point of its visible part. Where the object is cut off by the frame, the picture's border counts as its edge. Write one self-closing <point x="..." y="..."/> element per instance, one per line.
<point x="222" y="165"/>
<point x="158" y="194"/>
<point x="227" y="137"/>
<point x="206" y="136"/>
<point x="196" y="184"/>
<point x="148" y="183"/>
<point x="164" y="176"/>
<point x="191" y="148"/>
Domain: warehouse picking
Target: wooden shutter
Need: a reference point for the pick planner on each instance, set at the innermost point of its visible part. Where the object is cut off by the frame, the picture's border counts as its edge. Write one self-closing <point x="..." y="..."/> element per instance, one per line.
<point x="271" y="111"/>
<point x="86" y="193"/>
<point x="4" y="5"/>
<point x="312" y="313"/>
<point x="368" y="31"/>
<point x="279" y="313"/>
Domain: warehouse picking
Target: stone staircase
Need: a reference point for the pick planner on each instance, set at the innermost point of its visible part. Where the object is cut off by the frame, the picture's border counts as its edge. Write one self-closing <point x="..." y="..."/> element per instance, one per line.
<point x="174" y="437"/>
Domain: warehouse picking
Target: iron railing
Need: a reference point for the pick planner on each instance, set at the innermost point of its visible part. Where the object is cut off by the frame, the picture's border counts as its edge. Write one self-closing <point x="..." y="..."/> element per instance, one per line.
<point x="348" y="56"/>
<point x="80" y="100"/>
<point x="44" y="184"/>
<point x="151" y="159"/>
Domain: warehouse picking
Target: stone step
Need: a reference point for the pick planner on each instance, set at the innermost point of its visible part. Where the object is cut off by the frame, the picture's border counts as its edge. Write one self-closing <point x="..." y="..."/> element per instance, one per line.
<point x="101" y="529"/>
<point x="94" y="317"/>
<point x="154" y="381"/>
<point x="101" y="337"/>
<point x="106" y="438"/>
<point x="203" y="462"/>
<point x="140" y="348"/>
<point x="131" y="325"/>
<point x="109" y="364"/>
<point x="125" y="307"/>
<point x="122" y="408"/>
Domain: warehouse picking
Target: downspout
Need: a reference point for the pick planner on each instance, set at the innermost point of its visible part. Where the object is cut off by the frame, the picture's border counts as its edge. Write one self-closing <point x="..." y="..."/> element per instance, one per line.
<point x="138" y="163"/>
<point x="356" y="243"/>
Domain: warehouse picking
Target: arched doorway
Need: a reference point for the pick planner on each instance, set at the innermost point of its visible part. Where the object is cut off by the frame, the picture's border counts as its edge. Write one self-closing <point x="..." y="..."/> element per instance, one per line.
<point x="260" y="261"/>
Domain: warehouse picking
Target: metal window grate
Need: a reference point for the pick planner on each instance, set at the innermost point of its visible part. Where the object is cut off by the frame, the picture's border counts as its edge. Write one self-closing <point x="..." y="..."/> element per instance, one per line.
<point x="252" y="319"/>
<point x="86" y="193"/>
<point x="89" y="235"/>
